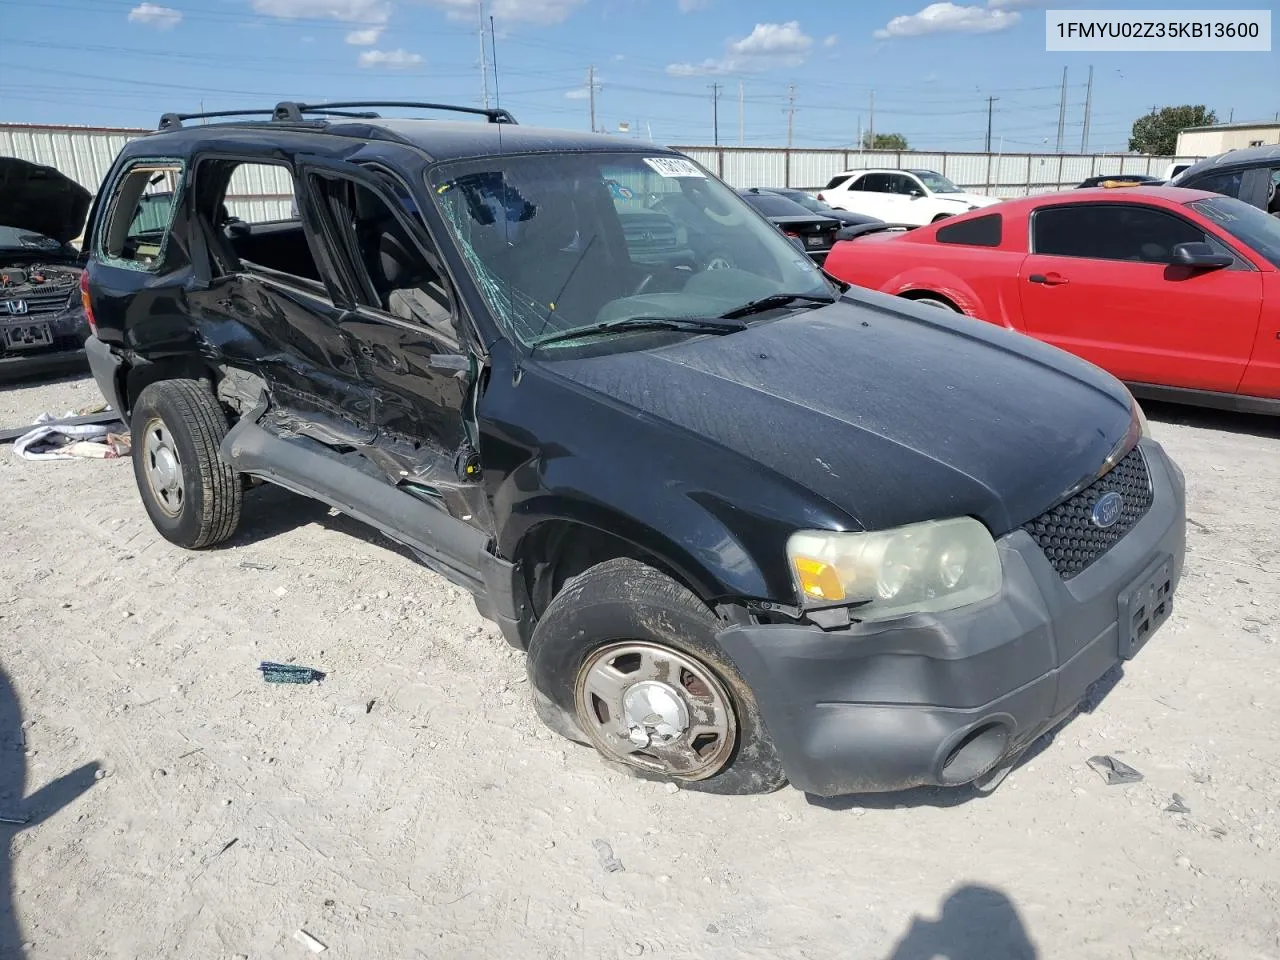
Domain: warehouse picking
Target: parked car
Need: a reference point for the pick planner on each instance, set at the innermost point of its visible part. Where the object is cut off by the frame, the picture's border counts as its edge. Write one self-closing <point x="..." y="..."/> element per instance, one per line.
<point x="1172" y="171"/>
<point x="748" y="525"/>
<point x="42" y="322"/>
<point x="1117" y="180"/>
<point x="813" y="232"/>
<point x="913" y="197"/>
<point x="1176" y="292"/>
<point x="852" y="224"/>
<point x="1251" y="175"/>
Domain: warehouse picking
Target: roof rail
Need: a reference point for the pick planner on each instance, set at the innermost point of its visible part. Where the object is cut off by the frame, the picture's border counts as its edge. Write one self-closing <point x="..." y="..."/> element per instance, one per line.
<point x="174" y="121"/>
<point x="289" y="110"/>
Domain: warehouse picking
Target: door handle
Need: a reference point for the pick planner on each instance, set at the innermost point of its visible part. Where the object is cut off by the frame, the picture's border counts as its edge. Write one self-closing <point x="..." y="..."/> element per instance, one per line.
<point x="1049" y="280"/>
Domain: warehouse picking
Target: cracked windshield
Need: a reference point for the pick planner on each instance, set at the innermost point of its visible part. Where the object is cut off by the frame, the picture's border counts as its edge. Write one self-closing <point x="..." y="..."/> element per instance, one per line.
<point x="565" y="244"/>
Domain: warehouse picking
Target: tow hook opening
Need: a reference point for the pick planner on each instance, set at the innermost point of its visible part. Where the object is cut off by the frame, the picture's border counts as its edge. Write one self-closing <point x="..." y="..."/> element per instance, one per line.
<point x="975" y="754"/>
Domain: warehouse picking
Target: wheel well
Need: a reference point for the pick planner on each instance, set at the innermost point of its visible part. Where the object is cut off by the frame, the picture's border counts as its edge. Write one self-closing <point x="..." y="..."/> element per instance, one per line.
<point x="941" y="216"/>
<point x="554" y="552"/>
<point x="930" y="295"/>
<point x="153" y="371"/>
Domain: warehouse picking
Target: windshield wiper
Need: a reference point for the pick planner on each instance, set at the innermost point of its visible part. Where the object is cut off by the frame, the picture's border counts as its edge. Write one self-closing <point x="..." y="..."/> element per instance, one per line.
<point x="694" y="324"/>
<point x="773" y="302"/>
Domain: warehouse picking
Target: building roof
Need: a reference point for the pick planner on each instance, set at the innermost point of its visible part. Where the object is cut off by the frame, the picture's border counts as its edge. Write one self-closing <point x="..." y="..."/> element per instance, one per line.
<point x="1259" y="125"/>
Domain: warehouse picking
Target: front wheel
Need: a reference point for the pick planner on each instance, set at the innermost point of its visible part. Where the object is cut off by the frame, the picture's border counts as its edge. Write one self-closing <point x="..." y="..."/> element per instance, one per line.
<point x="192" y="497"/>
<point x="625" y="660"/>
<point x="935" y="302"/>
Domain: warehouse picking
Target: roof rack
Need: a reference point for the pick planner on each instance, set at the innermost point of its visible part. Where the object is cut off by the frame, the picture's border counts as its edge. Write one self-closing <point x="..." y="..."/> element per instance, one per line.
<point x="288" y="111"/>
<point x="174" y="121"/>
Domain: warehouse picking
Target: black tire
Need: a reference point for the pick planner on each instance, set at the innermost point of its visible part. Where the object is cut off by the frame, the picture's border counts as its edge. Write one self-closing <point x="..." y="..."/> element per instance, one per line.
<point x="627" y="600"/>
<point x="205" y="507"/>
<point x="935" y="302"/>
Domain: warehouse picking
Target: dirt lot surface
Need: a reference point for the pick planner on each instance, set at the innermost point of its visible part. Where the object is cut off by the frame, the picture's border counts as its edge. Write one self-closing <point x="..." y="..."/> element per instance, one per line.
<point x="412" y="805"/>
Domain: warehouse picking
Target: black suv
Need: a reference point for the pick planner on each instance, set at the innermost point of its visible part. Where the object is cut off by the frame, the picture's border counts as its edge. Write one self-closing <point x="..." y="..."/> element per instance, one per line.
<point x="1251" y="174"/>
<point x="749" y="525"/>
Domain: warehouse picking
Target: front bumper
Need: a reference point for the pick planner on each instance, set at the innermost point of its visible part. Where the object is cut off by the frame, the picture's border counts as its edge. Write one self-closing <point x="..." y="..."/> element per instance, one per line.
<point x="68" y="329"/>
<point x="943" y="699"/>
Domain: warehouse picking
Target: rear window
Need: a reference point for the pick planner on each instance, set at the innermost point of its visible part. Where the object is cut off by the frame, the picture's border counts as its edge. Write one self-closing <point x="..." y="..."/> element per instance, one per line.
<point x="978" y="232"/>
<point x="140" y="215"/>
<point x="838" y="181"/>
<point x="772" y="205"/>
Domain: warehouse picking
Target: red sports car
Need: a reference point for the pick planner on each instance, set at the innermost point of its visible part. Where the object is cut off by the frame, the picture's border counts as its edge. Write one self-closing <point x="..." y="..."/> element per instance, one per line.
<point x="1176" y="292"/>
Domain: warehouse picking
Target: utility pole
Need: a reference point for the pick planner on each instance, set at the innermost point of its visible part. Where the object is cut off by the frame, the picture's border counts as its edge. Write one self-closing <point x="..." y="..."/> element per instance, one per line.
<point x="484" y="57"/>
<point x="1062" y="110"/>
<point x="991" y="102"/>
<point x="591" y="94"/>
<point x="493" y="41"/>
<point x="791" y="114"/>
<point x="742" y="115"/>
<point x="1232" y="115"/>
<point x="859" y="140"/>
<point x="871" y="123"/>
<point x="715" y="110"/>
<point x="1088" y="109"/>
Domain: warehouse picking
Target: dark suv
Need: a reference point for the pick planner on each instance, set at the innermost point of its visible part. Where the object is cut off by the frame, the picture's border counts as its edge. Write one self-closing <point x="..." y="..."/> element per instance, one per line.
<point x="749" y="525"/>
<point x="1251" y="174"/>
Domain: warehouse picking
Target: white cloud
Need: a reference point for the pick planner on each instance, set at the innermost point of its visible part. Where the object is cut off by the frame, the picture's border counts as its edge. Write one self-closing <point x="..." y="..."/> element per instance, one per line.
<point x="831" y="41"/>
<point x="364" y="38"/>
<point x="399" y="59"/>
<point x="619" y="57"/>
<point x="769" y="45"/>
<point x="538" y="12"/>
<point x="373" y="12"/>
<point x="154" y="15"/>
<point x="952" y="18"/>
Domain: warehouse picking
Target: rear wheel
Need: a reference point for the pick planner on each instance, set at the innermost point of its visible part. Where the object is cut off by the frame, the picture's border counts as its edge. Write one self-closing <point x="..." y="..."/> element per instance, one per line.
<point x="192" y="497"/>
<point x="625" y="660"/>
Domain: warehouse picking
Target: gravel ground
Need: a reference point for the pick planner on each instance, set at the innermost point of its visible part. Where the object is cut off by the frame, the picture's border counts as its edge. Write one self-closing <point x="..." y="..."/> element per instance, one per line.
<point x="412" y="805"/>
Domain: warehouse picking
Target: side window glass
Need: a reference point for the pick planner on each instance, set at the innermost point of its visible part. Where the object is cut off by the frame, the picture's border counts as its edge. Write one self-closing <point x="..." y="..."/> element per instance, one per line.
<point x="836" y="182"/>
<point x="877" y="183"/>
<point x="1227" y="184"/>
<point x="979" y="232"/>
<point x="1111" y="232"/>
<point x="141" y="215"/>
<point x="1273" y="193"/>
<point x="905" y="185"/>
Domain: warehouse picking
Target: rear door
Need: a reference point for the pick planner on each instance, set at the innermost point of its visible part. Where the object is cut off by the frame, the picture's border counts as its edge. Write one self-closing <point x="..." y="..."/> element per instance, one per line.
<point x="1100" y="283"/>
<point x="274" y="301"/>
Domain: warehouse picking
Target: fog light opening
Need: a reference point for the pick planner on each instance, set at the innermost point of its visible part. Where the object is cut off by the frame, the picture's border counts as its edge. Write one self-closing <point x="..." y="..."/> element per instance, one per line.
<point x="975" y="754"/>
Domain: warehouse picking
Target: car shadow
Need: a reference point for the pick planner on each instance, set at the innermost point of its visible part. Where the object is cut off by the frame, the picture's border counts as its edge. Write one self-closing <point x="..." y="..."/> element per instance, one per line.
<point x="974" y="923"/>
<point x="25" y="810"/>
<point x="270" y="511"/>
<point x="1225" y="421"/>
<point x="943" y="797"/>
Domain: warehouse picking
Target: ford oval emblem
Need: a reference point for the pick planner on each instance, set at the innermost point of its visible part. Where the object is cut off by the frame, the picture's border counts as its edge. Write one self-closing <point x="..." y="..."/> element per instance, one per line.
<point x="1107" y="510"/>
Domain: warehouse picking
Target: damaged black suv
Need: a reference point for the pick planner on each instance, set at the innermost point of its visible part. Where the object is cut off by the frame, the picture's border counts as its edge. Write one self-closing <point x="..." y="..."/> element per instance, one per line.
<point x="750" y="525"/>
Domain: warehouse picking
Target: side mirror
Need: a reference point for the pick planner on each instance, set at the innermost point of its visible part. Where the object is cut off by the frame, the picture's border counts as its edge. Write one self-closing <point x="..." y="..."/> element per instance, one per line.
<point x="1200" y="256"/>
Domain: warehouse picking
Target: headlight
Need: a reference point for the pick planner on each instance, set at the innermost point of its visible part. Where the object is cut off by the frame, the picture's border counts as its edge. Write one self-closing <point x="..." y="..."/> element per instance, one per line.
<point x="920" y="568"/>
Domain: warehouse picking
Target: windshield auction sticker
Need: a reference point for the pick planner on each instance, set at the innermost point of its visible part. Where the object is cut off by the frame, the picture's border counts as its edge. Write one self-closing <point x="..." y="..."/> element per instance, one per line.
<point x="674" y="167"/>
<point x="1142" y="31"/>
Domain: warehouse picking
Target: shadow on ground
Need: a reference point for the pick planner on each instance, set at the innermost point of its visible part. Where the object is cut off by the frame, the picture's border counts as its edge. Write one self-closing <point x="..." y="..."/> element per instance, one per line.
<point x="1248" y="424"/>
<point x="955" y="796"/>
<point x="28" y="811"/>
<point x="974" y="923"/>
<point x="270" y="511"/>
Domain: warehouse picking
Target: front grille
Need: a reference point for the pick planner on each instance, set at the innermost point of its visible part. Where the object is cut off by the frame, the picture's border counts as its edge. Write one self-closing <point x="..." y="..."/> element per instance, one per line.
<point x="38" y="303"/>
<point x="1067" y="534"/>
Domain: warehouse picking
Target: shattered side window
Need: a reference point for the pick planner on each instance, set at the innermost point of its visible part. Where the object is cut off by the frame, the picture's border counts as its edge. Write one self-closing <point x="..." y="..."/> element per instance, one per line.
<point x="141" y="215"/>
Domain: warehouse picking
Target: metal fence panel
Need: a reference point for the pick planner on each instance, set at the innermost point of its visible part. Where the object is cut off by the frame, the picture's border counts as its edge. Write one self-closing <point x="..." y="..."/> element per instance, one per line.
<point x="752" y="168"/>
<point x="966" y="169"/>
<point x="813" y="169"/>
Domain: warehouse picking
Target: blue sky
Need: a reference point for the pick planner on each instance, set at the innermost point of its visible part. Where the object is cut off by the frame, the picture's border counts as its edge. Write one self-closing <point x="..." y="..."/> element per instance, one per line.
<point x="931" y="67"/>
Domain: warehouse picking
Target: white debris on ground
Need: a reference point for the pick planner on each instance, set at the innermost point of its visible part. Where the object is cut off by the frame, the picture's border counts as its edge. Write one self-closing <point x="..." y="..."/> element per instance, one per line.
<point x="412" y="805"/>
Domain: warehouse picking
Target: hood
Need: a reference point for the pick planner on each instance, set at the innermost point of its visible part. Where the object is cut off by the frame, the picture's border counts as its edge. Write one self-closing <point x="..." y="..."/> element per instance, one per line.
<point x="42" y="200"/>
<point x="891" y="412"/>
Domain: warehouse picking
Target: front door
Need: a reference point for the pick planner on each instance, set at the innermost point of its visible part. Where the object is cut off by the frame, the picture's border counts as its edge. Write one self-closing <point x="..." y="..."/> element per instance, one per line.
<point x="1100" y="283"/>
<point x="405" y="323"/>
